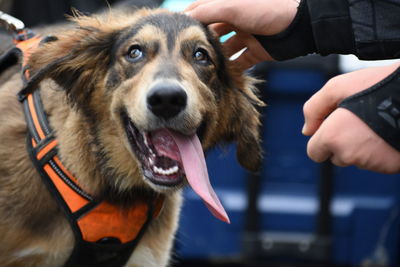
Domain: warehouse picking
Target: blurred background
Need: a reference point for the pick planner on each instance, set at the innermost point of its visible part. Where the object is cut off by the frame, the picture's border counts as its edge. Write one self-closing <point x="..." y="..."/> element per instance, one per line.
<point x="294" y="212"/>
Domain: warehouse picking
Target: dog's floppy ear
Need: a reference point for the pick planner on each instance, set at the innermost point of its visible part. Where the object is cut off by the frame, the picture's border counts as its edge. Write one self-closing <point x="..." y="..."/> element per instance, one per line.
<point x="239" y="116"/>
<point x="75" y="60"/>
<point x="246" y="125"/>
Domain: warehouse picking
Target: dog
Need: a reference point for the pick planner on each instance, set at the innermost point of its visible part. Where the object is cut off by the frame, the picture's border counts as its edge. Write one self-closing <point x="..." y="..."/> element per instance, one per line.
<point x="133" y="100"/>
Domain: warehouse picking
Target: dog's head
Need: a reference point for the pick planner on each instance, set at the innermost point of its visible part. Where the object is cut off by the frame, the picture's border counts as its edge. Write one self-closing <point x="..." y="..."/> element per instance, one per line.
<point x="149" y="83"/>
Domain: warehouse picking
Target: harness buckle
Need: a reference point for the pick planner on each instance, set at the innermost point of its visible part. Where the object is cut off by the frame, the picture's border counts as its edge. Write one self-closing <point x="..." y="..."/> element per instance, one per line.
<point x="23" y="35"/>
<point x="16" y="27"/>
<point x="11" y="24"/>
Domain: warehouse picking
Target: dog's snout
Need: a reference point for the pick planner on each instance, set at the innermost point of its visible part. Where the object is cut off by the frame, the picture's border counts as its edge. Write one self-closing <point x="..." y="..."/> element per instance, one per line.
<point x="166" y="100"/>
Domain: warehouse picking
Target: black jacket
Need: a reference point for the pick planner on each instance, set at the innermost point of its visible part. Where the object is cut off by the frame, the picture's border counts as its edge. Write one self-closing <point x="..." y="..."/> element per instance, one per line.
<point x="369" y="29"/>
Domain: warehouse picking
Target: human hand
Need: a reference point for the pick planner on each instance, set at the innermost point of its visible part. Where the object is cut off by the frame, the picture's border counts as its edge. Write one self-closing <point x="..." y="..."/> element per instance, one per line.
<point x="338" y="134"/>
<point x="262" y="17"/>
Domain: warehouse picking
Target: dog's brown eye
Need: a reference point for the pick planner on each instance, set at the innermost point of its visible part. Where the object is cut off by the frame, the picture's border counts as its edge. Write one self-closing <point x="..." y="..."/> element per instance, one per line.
<point x="135" y="53"/>
<point x="201" y="56"/>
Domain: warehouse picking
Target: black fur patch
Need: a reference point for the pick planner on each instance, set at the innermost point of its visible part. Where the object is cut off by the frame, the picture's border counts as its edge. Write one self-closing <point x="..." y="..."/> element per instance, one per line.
<point x="132" y="70"/>
<point x="113" y="80"/>
<point x="48" y="39"/>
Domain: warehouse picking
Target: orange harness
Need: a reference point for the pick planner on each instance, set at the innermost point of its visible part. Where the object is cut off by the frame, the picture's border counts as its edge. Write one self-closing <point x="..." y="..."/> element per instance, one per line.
<point x="105" y="234"/>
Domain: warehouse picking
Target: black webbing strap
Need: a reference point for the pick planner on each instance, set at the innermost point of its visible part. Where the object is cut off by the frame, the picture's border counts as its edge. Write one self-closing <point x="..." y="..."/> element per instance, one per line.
<point x="9" y="58"/>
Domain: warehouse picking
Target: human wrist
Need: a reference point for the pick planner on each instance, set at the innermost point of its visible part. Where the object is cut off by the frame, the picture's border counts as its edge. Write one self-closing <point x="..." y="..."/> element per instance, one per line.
<point x="296" y="40"/>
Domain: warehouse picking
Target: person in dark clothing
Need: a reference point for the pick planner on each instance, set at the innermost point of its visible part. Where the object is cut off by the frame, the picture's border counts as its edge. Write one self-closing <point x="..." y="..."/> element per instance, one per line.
<point x="355" y="118"/>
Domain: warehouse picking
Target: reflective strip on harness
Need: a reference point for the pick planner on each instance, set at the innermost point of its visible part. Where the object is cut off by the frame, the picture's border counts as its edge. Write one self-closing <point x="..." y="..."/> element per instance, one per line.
<point x="35" y="119"/>
<point x="74" y="201"/>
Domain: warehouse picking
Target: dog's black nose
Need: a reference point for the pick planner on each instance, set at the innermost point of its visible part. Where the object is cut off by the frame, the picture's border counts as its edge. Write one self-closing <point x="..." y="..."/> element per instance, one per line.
<point x="166" y="100"/>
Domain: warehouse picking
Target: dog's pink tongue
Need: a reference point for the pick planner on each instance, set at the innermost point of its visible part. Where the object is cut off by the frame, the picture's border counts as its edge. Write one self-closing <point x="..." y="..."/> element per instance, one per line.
<point x="192" y="156"/>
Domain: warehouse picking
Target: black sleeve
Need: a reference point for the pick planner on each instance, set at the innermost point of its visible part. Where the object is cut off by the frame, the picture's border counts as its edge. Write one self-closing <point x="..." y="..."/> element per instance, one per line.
<point x="379" y="108"/>
<point x="369" y="29"/>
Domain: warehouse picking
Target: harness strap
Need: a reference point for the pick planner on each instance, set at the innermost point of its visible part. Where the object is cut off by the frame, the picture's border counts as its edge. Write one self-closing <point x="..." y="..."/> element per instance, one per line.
<point x="9" y="58"/>
<point x="105" y="234"/>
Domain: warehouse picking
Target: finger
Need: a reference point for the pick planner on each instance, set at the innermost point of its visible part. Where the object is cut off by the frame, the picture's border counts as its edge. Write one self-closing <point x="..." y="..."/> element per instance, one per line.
<point x="249" y="58"/>
<point x="210" y="12"/>
<point x="234" y="45"/>
<point x="254" y="53"/>
<point x="196" y="4"/>
<point x="222" y="28"/>
<point x="318" y="107"/>
<point x="317" y="149"/>
<point x="245" y="60"/>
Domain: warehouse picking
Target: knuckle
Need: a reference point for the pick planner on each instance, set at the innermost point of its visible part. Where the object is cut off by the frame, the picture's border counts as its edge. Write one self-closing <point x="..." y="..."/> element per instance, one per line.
<point x="314" y="152"/>
<point x="343" y="160"/>
<point x="333" y="82"/>
<point x="348" y="159"/>
<point x="335" y="89"/>
<point x="338" y="162"/>
<point x="342" y="156"/>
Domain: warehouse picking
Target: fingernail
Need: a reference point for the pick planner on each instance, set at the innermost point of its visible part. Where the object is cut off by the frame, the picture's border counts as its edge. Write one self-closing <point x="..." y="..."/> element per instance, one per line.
<point x="187" y="13"/>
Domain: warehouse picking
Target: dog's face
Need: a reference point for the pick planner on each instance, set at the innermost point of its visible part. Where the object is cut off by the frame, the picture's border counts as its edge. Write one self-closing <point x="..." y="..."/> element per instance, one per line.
<point x="142" y="81"/>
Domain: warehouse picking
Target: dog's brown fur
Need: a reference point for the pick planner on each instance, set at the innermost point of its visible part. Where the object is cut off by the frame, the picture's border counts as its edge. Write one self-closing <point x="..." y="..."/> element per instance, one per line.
<point x="85" y="81"/>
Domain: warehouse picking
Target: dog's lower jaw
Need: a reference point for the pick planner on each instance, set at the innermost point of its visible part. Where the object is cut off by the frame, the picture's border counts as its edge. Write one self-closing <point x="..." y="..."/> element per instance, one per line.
<point x="163" y="189"/>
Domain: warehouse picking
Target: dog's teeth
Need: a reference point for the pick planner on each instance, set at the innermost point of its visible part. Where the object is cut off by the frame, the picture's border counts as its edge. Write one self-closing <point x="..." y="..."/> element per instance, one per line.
<point x="174" y="169"/>
<point x="159" y="170"/>
<point x="170" y="171"/>
<point x="151" y="160"/>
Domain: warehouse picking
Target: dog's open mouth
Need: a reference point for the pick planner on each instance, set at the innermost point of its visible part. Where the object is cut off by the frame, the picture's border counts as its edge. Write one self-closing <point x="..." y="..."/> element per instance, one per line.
<point x="158" y="154"/>
<point x="167" y="157"/>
